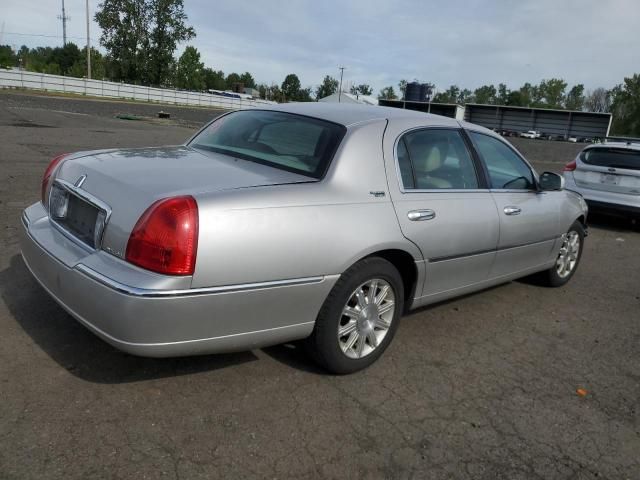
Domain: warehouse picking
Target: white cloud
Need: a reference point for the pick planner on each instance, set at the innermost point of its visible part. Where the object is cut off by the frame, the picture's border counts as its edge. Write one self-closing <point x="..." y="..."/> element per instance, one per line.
<point x="468" y="43"/>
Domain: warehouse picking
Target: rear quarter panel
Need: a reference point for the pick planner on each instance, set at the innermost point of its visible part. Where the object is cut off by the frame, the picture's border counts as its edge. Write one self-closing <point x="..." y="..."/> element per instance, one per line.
<point x="301" y="230"/>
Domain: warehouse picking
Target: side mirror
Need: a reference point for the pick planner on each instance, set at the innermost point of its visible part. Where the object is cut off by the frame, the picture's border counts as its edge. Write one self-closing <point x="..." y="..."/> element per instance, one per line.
<point x="550" y="181"/>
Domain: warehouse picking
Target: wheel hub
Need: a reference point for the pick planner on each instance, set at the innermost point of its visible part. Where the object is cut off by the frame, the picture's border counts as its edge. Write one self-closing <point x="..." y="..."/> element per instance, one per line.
<point x="367" y="319"/>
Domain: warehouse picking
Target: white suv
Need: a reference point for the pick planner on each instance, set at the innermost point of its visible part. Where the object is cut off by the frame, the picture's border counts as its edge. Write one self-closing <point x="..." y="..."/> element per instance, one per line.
<point x="608" y="177"/>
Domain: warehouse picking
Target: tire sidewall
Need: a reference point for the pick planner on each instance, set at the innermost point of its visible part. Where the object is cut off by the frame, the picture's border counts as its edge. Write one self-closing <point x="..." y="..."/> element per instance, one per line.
<point x="325" y="335"/>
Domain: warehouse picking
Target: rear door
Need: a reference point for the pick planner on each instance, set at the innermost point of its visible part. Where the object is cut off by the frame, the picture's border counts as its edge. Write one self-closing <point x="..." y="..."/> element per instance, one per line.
<point x="529" y="219"/>
<point x="443" y="204"/>
<point x="610" y="169"/>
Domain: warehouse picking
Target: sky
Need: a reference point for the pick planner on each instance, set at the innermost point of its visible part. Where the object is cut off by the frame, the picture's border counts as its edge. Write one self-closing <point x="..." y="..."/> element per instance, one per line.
<point x="468" y="43"/>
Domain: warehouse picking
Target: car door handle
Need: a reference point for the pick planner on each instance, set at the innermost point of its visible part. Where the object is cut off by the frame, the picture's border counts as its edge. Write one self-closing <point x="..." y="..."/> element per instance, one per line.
<point x="419" y="215"/>
<point x="512" y="211"/>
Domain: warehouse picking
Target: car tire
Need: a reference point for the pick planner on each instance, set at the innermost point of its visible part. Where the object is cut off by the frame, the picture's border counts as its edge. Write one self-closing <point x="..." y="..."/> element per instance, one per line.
<point x="568" y="259"/>
<point x="367" y="326"/>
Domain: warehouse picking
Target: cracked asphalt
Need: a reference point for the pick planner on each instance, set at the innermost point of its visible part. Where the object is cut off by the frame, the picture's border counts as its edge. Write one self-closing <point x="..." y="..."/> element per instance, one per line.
<point x="480" y="387"/>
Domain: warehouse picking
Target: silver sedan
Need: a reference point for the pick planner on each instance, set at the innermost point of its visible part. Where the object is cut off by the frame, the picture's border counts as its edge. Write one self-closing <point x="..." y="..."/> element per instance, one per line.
<point x="314" y="222"/>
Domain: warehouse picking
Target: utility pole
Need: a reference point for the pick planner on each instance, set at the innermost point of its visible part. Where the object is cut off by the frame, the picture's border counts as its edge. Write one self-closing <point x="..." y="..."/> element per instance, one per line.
<point x="64" y="19"/>
<point x="88" y="46"/>
<point x="340" y="90"/>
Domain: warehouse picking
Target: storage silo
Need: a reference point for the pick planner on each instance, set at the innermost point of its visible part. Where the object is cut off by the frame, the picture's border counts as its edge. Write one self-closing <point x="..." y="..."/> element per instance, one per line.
<point x="413" y="92"/>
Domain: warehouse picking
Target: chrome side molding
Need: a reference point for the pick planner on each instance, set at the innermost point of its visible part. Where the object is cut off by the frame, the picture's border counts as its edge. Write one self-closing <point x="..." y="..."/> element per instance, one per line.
<point x="145" y="292"/>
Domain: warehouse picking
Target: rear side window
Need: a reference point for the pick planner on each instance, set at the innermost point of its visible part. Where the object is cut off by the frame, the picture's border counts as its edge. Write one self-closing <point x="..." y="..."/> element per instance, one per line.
<point x="506" y="169"/>
<point x="281" y="140"/>
<point x="612" y="157"/>
<point x="435" y="159"/>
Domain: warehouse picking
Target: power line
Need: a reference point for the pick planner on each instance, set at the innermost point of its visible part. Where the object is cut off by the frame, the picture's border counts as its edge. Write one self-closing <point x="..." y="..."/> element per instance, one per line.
<point x="46" y="36"/>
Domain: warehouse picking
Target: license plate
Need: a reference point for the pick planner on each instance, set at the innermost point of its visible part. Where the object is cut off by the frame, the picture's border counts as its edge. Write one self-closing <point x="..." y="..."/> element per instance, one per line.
<point x="78" y="217"/>
<point x="609" y="179"/>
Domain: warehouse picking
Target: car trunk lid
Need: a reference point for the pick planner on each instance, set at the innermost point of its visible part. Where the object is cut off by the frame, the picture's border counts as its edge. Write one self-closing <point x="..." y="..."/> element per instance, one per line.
<point x="128" y="181"/>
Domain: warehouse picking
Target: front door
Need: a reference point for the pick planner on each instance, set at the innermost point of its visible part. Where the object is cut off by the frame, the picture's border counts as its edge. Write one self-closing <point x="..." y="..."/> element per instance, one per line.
<point x="442" y="206"/>
<point x="529" y="219"/>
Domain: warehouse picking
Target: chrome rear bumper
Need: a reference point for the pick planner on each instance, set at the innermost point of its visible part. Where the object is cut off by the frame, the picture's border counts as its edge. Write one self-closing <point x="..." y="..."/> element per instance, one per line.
<point x="162" y="322"/>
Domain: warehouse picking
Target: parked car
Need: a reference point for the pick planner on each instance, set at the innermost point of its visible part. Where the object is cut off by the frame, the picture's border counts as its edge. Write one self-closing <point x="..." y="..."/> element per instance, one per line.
<point x="530" y="134"/>
<point x="322" y="222"/>
<point x="607" y="175"/>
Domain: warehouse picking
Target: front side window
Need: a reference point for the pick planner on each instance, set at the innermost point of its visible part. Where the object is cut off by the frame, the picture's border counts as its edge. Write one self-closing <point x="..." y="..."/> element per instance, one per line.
<point x="435" y="159"/>
<point x="506" y="169"/>
<point x="286" y="141"/>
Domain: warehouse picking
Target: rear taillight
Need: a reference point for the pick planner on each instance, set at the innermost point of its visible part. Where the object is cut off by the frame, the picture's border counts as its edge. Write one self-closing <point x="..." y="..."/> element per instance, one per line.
<point x="165" y="239"/>
<point x="570" y="167"/>
<point x="48" y="173"/>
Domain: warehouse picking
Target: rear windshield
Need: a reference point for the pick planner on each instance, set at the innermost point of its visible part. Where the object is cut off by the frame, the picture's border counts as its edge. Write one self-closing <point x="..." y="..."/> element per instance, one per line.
<point x="286" y="141"/>
<point x="612" y="157"/>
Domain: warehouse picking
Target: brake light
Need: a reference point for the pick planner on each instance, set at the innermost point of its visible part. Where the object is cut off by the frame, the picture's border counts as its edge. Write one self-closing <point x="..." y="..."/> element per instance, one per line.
<point x="165" y="238"/>
<point x="48" y="173"/>
<point x="570" y="167"/>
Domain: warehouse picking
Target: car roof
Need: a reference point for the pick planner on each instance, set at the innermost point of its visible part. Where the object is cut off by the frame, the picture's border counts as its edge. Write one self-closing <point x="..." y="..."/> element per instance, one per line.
<point x="350" y="114"/>
<point x="610" y="144"/>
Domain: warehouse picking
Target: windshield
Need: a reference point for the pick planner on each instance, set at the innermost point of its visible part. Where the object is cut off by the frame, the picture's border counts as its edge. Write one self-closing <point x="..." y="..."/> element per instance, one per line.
<point x="286" y="141"/>
<point x="612" y="157"/>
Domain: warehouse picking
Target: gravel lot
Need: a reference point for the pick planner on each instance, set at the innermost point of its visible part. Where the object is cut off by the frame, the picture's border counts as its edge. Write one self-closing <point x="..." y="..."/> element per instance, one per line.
<point x="480" y="387"/>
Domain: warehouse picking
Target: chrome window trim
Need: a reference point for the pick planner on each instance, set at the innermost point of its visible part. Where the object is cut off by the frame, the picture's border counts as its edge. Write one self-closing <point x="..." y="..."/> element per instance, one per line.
<point x="430" y="190"/>
<point x="87" y="197"/>
<point x="156" y="293"/>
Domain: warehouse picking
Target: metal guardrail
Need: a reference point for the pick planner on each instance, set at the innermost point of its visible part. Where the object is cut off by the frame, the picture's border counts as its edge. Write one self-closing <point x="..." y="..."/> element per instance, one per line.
<point x="99" y="88"/>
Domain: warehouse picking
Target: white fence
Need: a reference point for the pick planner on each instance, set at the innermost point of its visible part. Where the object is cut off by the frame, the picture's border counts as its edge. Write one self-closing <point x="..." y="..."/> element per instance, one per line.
<point x="99" y="88"/>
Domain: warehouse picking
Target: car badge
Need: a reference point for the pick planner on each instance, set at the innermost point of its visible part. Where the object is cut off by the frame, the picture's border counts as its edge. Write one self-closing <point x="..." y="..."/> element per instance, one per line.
<point x="80" y="181"/>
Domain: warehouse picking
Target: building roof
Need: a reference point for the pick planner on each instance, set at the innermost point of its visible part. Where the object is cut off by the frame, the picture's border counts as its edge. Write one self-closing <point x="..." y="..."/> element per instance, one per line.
<point x="350" y="113"/>
<point x="539" y="109"/>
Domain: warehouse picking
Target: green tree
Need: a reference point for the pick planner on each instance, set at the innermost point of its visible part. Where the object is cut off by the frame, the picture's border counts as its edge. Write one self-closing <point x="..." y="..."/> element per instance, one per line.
<point x="168" y="27"/>
<point x="329" y="86"/>
<point x="465" y="96"/>
<point x="402" y="86"/>
<point x="79" y="68"/>
<point x="625" y="107"/>
<point x="526" y="95"/>
<point x="291" y="87"/>
<point x="232" y="80"/>
<point x="274" y="93"/>
<point x="450" y="95"/>
<point x="503" y="94"/>
<point x="65" y="57"/>
<point x="515" y="98"/>
<point x="485" y="95"/>
<point x="247" y="80"/>
<point x="125" y="27"/>
<point x="7" y="57"/>
<point x="552" y="92"/>
<point x="575" y="98"/>
<point x="362" y="89"/>
<point x="387" y="93"/>
<point x="140" y="37"/>
<point x="304" y="95"/>
<point x="214" y="80"/>
<point x="190" y="70"/>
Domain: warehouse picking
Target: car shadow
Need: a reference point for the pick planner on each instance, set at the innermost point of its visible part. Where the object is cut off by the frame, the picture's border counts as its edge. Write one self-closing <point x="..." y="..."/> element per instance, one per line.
<point x="293" y="355"/>
<point x="78" y="350"/>
<point x="614" y="223"/>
